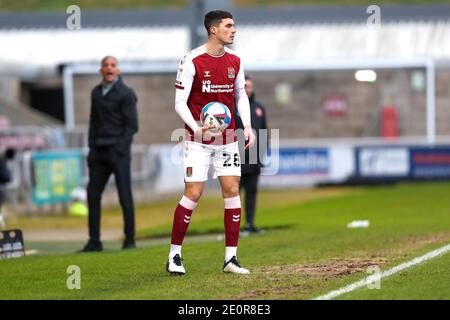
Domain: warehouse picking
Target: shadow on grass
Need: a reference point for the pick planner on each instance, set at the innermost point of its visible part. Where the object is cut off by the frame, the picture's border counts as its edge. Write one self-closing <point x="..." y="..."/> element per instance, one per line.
<point x="146" y="234"/>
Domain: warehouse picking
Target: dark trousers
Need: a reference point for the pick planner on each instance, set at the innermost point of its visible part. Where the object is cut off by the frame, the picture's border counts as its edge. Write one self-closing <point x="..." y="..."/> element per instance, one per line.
<point x="2" y="198"/>
<point x="249" y="182"/>
<point x="103" y="162"/>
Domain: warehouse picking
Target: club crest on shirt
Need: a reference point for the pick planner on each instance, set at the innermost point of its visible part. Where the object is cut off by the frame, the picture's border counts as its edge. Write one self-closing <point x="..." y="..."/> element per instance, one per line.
<point x="207" y="75"/>
<point x="231" y="73"/>
<point x="188" y="172"/>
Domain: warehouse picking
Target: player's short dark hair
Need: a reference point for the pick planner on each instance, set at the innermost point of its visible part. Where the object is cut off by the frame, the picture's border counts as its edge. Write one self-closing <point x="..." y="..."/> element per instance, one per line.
<point x="247" y="77"/>
<point x="213" y="18"/>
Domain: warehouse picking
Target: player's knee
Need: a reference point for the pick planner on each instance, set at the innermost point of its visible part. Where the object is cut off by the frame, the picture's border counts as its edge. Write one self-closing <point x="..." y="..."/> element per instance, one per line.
<point x="231" y="192"/>
<point x="194" y="195"/>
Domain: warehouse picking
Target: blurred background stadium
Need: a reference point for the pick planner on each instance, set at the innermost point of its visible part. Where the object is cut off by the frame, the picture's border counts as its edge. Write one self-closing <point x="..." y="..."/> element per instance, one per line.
<point x="358" y="92"/>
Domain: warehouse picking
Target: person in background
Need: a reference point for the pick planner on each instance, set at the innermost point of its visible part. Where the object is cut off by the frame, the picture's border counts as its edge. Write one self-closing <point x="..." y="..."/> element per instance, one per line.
<point x="5" y="177"/>
<point x="250" y="172"/>
<point x="113" y="122"/>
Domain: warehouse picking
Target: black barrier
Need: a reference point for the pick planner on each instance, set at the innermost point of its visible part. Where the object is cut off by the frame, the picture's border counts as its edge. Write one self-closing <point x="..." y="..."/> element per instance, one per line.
<point x="11" y="244"/>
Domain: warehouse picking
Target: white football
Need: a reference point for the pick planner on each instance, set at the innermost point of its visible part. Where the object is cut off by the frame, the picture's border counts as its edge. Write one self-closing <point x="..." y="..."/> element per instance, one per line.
<point x="217" y="115"/>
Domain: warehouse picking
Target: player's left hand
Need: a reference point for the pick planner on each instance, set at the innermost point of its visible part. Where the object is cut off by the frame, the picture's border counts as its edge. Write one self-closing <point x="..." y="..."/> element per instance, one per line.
<point x="249" y="136"/>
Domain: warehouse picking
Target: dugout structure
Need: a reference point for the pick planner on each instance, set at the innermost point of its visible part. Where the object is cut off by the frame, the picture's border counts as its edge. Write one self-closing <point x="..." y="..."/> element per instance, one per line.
<point x="270" y="77"/>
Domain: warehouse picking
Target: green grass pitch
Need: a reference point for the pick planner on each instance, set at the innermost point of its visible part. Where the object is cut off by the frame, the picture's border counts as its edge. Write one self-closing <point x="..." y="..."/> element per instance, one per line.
<point x="307" y="250"/>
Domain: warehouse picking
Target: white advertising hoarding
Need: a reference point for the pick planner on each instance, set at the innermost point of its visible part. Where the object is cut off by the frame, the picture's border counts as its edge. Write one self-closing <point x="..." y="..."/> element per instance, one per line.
<point x="383" y="162"/>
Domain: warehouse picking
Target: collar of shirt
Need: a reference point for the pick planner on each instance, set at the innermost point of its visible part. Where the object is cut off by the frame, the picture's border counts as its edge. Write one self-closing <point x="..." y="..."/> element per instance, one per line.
<point x="107" y="87"/>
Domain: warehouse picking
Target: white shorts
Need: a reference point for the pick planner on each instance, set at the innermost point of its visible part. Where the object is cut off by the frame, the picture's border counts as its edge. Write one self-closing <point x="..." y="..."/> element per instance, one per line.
<point x="198" y="157"/>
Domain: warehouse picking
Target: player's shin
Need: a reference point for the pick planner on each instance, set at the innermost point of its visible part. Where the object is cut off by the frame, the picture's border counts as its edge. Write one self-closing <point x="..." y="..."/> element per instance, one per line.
<point x="181" y="220"/>
<point x="232" y="221"/>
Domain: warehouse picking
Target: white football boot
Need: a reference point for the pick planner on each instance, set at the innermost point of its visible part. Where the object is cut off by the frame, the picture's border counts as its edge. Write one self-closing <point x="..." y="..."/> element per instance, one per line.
<point x="233" y="266"/>
<point x="175" y="266"/>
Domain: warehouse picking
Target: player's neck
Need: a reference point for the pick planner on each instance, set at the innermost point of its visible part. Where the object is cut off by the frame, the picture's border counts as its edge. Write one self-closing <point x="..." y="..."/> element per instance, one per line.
<point x="215" y="48"/>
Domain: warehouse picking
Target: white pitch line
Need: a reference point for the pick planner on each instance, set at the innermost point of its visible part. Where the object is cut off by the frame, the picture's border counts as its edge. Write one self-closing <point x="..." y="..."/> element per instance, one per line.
<point x="370" y="279"/>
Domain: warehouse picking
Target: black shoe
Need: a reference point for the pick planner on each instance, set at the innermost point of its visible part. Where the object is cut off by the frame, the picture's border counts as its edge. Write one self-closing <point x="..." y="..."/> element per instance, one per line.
<point x="129" y="244"/>
<point x="92" y="246"/>
<point x="253" y="229"/>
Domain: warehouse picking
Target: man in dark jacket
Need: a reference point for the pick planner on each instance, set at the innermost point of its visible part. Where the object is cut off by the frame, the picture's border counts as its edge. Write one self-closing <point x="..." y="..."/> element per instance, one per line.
<point x="113" y="122"/>
<point x="251" y="169"/>
<point x="5" y="177"/>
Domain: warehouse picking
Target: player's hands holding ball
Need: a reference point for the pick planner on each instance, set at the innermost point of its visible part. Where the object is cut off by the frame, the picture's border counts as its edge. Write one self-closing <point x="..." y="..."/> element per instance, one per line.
<point x="215" y="118"/>
<point x="207" y="131"/>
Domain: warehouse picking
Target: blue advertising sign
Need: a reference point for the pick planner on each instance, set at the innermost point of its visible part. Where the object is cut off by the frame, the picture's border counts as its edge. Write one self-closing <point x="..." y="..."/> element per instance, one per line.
<point x="303" y="161"/>
<point x="430" y="162"/>
<point x="55" y="175"/>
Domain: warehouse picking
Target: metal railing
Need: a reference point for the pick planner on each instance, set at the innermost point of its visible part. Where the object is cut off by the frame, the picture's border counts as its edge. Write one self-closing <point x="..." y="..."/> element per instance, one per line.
<point x="19" y="190"/>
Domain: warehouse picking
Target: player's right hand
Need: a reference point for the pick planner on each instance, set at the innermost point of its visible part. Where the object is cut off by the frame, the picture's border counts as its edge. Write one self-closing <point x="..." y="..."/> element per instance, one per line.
<point x="205" y="133"/>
